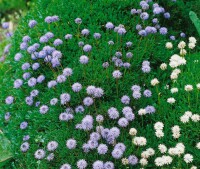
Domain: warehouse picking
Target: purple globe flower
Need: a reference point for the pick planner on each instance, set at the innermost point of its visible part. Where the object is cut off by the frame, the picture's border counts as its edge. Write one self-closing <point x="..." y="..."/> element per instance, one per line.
<point x="32" y="82"/>
<point x="26" y="39"/>
<point x="23" y="46"/>
<point x="5" y="25"/>
<point x="88" y="101"/>
<point x="18" y="56"/>
<point x="65" y="98"/>
<point x="26" y="66"/>
<point x="150" y="109"/>
<point x="93" y="144"/>
<point x="44" y="39"/>
<point x="172" y="38"/>
<point x="144" y="16"/>
<point x="97" y="35"/>
<point x="78" y="20"/>
<point x="32" y="23"/>
<point x="81" y="164"/>
<point x="142" y="33"/>
<point x="136" y="95"/>
<point x="40" y="78"/>
<point x="121" y="31"/>
<point x="24" y="147"/>
<point x="147" y="93"/>
<point x="85" y="32"/>
<point x="71" y="144"/>
<point x="7" y="116"/>
<point x="23" y="125"/>
<point x="49" y="35"/>
<point x="102" y="149"/>
<point x="44" y="109"/>
<point x="113" y="113"/>
<point x="29" y="100"/>
<point x="87" y="123"/>
<point x="123" y="122"/>
<point x="182" y="35"/>
<point x="18" y="83"/>
<point x="138" y="27"/>
<point x="133" y="160"/>
<point x="68" y="36"/>
<point x="9" y="100"/>
<point x="98" y="165"/>
<point x="167" y="15"/>
<point x="26" y="138"/>
<point x="146" y="69"/>
<point x="117" y="153"/>
<point x="87" y="48"/>
<point x="109" y="25"/>
<point x="109" y="165"/>
<point x="163" y="31"/>
<point x="129" y="44"/>
<point x="155" y="20"/>
<point x="135" y="88"/>
<point x="57" y="42"/>
<point x="125" y="99"/>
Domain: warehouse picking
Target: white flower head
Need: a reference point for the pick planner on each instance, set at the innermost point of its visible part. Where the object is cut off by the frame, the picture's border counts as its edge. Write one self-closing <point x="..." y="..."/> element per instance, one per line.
<point x="154" y="82"/>
<point x="163" y="66"/>
<point x="171" y="100"/>
<point x="188" y="88"/>
<point x="169" y="45"/>
<point x="188" y="158"/>
<point x="182" y="45"/>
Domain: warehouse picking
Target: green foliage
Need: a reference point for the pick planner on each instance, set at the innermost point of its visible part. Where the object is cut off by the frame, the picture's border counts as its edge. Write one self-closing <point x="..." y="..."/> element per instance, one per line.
<point x="5" y="150"/>
<point x="179" y="11"/>
<point x="195" y="20"/>
<point x="95" y="15"/>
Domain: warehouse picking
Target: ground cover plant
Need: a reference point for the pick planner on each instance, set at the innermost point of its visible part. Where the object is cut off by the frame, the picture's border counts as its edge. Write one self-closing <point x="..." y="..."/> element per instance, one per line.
<point x="106" y="86"/>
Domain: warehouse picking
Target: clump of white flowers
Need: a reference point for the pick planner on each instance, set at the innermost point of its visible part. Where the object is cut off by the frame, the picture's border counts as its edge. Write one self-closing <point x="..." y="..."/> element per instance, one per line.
<point x="178" y="150"/>
<point x="164" y="160"/>
<point x="176" y="61"/>
<point x="140" y="141"/>
<point x="175" y="73"/>
<point x="176" y="131"/>
<point x="148" y="153"/>
<point x="158" y="126"/>
<point x="188" y="115"/>
<point x="162" y="148"/>
<point x="192" y="42"/>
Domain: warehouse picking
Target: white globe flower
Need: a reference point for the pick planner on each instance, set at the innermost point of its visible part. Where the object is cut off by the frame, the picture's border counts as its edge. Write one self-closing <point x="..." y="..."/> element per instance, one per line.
<point x="154" y="82"/>
<point x="192" y="40"/>
<point x="163" y="66"/>
<point x="162" y="148"/>
<point x="191" y="45"/>
<point x="188" y="158"/>
<point x="171" y="100"/>
<point x="174" y="90"/>
<point x="169" y="45"/>
<point x="182" y="45"/>
<point x="188" y="88"/>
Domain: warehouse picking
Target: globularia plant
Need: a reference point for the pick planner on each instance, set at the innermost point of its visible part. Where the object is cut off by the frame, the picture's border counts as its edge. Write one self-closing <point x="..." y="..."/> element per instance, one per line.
<point x="86" y="88"/>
